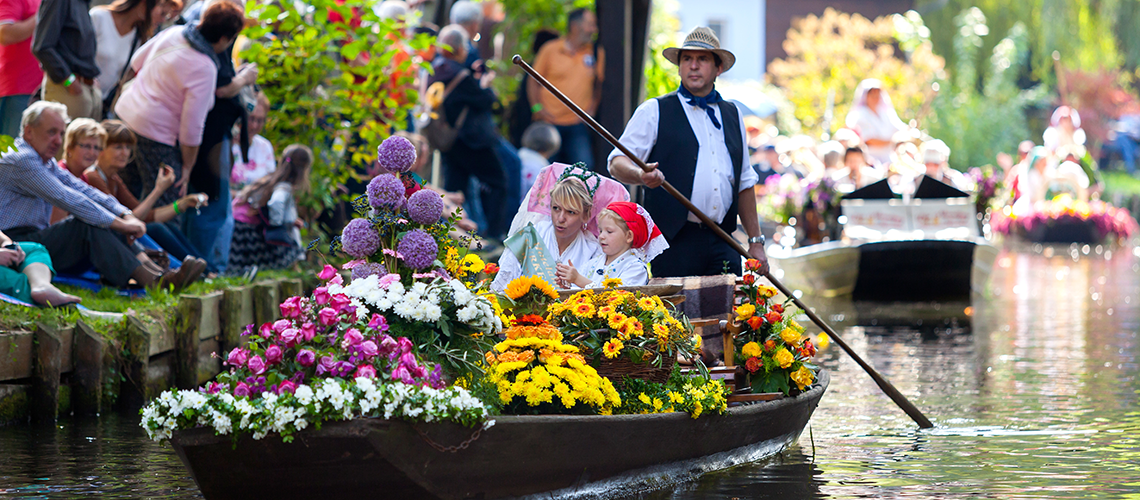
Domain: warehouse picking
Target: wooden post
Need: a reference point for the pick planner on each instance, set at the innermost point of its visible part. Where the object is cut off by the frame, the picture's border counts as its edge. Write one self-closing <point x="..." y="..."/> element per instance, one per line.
<point x="266" y="302"/>
<point x="132" y="392"/>
<point x="289" y="288"/>
<point x="236" y="313"/>
<point x="186" y="342"/>
<point x="45" y="388"/>
<point x="87" y="352"/>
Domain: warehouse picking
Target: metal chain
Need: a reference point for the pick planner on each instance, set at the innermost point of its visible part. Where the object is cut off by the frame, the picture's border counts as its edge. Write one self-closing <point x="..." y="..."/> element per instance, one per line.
<point x="450" y="449"/>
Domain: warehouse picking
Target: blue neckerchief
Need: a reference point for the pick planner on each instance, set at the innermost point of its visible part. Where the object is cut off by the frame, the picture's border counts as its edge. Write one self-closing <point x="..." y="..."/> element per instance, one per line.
<point x="705" y="102"/>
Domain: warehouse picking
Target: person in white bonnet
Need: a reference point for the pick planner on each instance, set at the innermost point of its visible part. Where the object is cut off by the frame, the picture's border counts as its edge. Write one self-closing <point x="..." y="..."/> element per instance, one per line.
<point x="936" y="157"/>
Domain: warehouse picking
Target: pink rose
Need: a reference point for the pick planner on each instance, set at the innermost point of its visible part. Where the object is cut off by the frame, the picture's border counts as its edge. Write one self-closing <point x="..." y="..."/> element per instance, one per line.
<point x="327" y="273"/>
<point x="401" y="374"/>
<point x="266" y="330"/>
<point x="387" y="344"/>
<point x="328" y="364"/>
<point x="281" y="324"/>
<point x="308" y="331"/>
<point x="273" y="355"/>
<point x="291" y="308"/>
<point x="408" y="360"/>
<point x="405" y="345"/>
<point x="306" y="357"/>
<point x="256" y="365"/>
<point x="290" y="335"/>
<point x="337" y="280"/>
<point x="241" y="390"/>
<point x="237" y="357"/>
<point x="351" y="338"/>
<point x="366" y="371"/>
<point x="327" y="316"/>
<point x="339" y="302"/>
<point x="286" y="386"/>
<point x="369" y="348"/>
<point x="321" y="295"/>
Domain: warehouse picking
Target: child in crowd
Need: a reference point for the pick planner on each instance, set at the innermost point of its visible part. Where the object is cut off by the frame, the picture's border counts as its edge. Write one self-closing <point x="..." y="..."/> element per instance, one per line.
<point x="539" y="142"/>
<point x="261" y="161"/>
<point x="266" y="227"/>
<point x="629" y="241"/>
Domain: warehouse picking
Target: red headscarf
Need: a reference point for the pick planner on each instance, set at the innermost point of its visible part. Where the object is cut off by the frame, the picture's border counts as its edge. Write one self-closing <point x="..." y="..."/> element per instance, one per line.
<point x="635" y="217"/>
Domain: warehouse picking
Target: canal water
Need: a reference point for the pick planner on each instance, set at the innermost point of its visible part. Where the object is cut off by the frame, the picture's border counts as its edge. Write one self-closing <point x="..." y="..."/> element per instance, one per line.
<point x="1032" y="388"/>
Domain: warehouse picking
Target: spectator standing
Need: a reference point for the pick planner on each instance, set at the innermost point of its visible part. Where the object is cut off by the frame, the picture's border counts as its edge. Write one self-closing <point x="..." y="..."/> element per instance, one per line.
<point x="469" y="16"/>
<point x="98" y="233"/>
<point x="266" y="233"/>
<point x="262" y="159"/>
<point x="20" y="73"/>
<point x="167" y="103"/>
<point x="120" y="29"/>
<point x="473" y="153"/>
<point x="575" y="66"/>
<point x="539" y="142"/>
<point x="64" y="43"/>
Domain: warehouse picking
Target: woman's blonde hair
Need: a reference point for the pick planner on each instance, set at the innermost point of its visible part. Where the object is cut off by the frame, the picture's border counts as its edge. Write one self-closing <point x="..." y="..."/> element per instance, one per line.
<point x="572" y="194"/>
<point x="82" y="128"/>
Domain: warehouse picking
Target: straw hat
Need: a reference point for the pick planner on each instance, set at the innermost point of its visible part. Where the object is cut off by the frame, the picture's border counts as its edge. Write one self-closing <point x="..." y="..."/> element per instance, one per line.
<point x="701" y="38"/>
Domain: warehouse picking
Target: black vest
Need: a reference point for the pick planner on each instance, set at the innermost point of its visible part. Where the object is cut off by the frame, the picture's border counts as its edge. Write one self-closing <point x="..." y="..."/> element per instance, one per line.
<point x="676" y="155"/>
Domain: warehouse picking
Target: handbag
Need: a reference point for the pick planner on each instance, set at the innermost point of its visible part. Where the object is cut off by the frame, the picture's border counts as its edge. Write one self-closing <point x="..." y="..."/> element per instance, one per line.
<point x="279" y="235"/>
<point x="438" y="132"/>
<point x="113" y="94"/>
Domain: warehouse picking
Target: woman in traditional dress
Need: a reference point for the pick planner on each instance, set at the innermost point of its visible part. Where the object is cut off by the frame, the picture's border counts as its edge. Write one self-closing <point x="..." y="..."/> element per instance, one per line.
<point x="557" y="223"/>
<point x="873" y="117"/>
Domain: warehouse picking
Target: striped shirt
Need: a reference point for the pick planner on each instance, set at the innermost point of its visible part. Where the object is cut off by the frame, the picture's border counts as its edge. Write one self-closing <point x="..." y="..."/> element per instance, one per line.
<point x="29" y="186"/>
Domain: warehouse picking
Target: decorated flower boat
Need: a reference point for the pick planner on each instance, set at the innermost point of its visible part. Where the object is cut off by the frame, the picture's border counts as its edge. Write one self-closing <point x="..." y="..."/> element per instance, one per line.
<point x="412" y="380"/>
<point x="921" y="249"/>
<point x="1065" y="220"/>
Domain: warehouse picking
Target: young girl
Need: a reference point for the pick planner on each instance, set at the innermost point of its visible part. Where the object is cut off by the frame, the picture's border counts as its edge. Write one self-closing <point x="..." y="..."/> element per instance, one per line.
<point x="266" y="226"/>
<point x="629" y="240"/>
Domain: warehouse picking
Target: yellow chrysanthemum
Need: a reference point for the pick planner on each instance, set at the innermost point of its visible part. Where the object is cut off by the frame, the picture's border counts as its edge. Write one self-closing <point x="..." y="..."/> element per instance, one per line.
<point x="790" y="336"/>
<point x="745" y="311"/>
<point x="660" y="330"/>
<point x="751" y="350"/>
<point x="616" y="319"/>
<point x="646" y="303"/>
<point x="803" y="377"/>
<point x="823" y="340"/>
<point x="605" y="311"/>
<point x="784" y="358"/>
<point x="472" y="263"/>
<point x="611" y="282"/>
<point x="584" y="310"/>
<point x="451" y="261"/>
<point x="523" y="284"/>
<point x="698" y="342"/>
<point x="612" y="348"/>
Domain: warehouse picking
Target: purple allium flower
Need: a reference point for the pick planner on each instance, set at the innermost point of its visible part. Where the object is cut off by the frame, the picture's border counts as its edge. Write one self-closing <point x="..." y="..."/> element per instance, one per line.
<point x="425" y="206"/>
<point x="359" y="238"/>
<point x="386" y="191"/>
<point x="366" y="269"/>
<point x="396" y="154"/>
<point x="419" y="249"/>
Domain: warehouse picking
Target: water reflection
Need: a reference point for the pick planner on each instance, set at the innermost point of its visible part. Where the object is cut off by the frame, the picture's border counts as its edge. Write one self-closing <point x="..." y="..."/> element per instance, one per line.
<point x="1033" y="389"/>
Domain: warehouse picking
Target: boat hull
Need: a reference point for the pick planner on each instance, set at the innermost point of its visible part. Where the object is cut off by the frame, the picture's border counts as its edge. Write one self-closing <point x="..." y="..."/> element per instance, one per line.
<point x="892" y="270"/>
<point x="563" y="456"/>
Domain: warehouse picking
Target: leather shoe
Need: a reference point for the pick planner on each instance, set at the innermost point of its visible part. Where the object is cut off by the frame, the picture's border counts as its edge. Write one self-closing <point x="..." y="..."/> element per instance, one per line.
<point x="190" y="271"/>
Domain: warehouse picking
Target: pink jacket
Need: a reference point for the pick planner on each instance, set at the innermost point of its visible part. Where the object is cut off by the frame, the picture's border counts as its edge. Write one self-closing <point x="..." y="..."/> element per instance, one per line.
<point x="167" y="102"/>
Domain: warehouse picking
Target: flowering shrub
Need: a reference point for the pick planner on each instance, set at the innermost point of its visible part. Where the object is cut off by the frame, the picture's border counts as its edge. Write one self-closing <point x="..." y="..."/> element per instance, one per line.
<point x="616" y="323"/>
<point x="695" y="396"/>
<point x="536" y="373"/>
<point x="326" y="399"/>
<point x="771" y="345"/>
<point x="988" y="181"/>
<point x="1062" y="209"/>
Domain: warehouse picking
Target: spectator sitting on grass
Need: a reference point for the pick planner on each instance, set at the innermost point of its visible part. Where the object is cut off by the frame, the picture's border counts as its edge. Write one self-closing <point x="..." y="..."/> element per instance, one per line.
<point x="26" y="273"/>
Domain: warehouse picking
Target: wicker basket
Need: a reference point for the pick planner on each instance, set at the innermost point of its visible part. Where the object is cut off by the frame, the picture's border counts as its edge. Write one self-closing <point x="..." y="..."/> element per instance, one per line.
<point x="615" y="369"/>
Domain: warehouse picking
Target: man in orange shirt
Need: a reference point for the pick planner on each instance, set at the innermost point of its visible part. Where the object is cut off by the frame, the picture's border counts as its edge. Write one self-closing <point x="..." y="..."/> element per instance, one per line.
<point x="574" y="66"/>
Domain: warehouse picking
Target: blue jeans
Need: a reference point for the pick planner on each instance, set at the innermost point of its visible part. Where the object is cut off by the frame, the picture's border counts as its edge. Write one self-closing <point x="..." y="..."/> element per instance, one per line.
<point x="211" y="229"/>
<point x="576" y="145"/>
<point x="11" y="108"/>
<point x="172" y="240"/>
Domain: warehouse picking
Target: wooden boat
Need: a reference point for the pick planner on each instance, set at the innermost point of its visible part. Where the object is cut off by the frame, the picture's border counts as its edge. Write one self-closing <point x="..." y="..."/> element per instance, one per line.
<point x="520" y="456"/>
<point x="920" y="249"/>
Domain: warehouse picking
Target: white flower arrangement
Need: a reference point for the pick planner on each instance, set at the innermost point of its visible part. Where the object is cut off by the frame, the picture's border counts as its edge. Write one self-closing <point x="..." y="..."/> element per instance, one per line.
<point x="326" y="400"/>
<point x="422" y="302"/>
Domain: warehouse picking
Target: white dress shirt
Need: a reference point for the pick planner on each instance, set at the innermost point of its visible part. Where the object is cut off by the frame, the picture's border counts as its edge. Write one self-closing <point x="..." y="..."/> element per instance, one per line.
<point x="712" y="185"/>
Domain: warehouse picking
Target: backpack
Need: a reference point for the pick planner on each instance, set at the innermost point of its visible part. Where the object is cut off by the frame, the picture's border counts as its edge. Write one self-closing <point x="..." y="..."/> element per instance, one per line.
<point x="438" y="132"/>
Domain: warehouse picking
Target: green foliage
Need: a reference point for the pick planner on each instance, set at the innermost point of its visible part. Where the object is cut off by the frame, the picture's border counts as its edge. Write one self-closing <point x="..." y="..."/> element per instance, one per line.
<point x="1084" y="32"/>
<point x="7" y="144"/>
<point x="978" y="124"/>
<point x="829" y="55"/>
<point x="337" y="89"/>
<point x="661" y="76"/>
